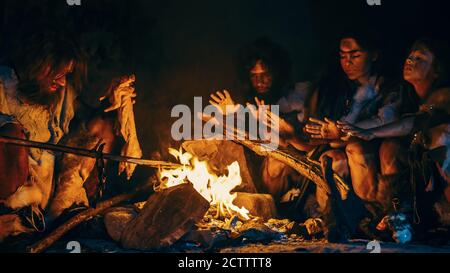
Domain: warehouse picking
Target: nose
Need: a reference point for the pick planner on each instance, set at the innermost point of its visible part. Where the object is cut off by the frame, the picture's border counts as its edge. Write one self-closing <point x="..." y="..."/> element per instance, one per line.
<point x="347" y="61"/>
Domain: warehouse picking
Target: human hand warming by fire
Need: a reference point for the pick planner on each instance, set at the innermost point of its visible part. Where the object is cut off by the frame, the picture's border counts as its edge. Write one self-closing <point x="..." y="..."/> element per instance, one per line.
<point x="223" y="101"/>
<point x="351" y="130"/>
<point x="326" y="129"/>
<point x="121" y="94"/>
<point x="271" y="119"/>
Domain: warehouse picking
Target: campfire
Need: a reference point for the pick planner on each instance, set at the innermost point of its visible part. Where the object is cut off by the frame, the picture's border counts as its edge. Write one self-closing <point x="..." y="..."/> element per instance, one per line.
<point x="196" y="202"/>
<point x="193" y="205"/>
<point x="215" y="189"/>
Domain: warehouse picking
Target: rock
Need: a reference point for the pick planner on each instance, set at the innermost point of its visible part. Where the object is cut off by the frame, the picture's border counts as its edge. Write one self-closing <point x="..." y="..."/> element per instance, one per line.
<point x="260" y="205"/>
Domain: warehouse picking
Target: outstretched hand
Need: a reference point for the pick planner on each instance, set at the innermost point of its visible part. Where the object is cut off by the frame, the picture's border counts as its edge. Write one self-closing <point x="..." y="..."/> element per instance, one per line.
<point x="223" y="101"/>
<point x="351" y="130"/>
<point x="326" y="129"/>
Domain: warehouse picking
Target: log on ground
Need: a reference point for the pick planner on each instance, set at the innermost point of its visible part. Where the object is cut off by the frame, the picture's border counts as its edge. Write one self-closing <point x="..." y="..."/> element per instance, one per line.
<point x="166" y="217"/>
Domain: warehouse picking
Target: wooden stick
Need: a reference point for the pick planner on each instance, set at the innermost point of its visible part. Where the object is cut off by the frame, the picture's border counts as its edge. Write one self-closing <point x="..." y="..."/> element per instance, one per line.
<point x="84" y="216"/>
<point x="87" y="153"/>
<point x="304" y="166"/>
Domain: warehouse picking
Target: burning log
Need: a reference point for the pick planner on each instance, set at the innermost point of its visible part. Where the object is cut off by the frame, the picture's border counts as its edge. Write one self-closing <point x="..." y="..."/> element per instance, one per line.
<point x="303" y="165"/>
<point x="166" y="217"/>
<point x="220" y="154"/>
<point x="83" y="216"/>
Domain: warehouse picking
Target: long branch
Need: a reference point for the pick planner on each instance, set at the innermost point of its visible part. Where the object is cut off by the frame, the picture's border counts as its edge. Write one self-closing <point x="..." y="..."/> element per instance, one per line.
<point x="84" y="216"/>
<point x="304" y="166"/>
<point x="86" y="153"/>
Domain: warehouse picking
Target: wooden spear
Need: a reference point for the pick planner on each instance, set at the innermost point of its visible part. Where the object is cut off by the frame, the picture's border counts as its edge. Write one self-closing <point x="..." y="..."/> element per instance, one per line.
<point x="88" y="153"/>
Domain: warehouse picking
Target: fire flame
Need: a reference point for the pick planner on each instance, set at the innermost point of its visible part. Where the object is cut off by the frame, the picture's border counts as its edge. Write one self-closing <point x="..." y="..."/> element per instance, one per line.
<point x="215" y="189"/>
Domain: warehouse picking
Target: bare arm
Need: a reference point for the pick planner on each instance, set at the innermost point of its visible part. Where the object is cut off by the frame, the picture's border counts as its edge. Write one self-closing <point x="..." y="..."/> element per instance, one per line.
<point x="402" y="127"/>
<point x="399" y="128"/>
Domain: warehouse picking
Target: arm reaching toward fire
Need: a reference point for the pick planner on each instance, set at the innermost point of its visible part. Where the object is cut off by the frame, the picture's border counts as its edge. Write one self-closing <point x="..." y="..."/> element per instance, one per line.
<point x="287" y="132"/>
<point x="402" y="127"/>
<point x="223" y="101"/>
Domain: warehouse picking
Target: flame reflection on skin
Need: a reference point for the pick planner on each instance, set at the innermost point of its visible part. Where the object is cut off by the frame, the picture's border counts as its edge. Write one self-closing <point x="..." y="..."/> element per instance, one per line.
<point x="215" y="189"/>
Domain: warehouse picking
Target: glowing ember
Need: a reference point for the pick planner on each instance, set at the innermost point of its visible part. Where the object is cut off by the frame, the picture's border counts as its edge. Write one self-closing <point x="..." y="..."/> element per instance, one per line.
<point x="215" y="189"/>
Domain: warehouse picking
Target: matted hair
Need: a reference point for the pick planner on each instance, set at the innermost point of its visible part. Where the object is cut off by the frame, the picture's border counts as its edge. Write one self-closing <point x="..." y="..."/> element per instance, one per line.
<point x="43" y="55"/>
<point x="441" y="60"/>
<point x="273" y="55"/>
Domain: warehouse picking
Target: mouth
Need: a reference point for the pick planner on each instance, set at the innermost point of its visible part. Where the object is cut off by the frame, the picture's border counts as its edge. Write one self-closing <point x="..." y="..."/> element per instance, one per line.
<point x="407" y="70"/>
<point x="349" y="72"/>
<point x="53" y="88"/>
<point x="261" y="88"/>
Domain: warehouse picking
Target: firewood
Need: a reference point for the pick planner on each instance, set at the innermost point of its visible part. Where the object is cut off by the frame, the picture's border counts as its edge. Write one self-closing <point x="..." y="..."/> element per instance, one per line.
<point x="167" y="216"/>
<point x="117" y="219"/>
<point x="84" y="216"/>
<point x="302" y="164"/>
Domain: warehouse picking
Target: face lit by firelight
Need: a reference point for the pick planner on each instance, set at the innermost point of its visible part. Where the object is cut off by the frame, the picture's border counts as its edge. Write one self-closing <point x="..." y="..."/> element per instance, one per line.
<point x="355" y="61"/>
<point x="52" y="81"/>
<point x="261" y="77"/>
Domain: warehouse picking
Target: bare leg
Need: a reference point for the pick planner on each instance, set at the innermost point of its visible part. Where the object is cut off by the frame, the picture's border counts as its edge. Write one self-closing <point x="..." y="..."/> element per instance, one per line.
<point x="363" y="164"/>
<point x="275" y="177"/>
<point x="75" y="170"/>
<point x="394" y="178"/>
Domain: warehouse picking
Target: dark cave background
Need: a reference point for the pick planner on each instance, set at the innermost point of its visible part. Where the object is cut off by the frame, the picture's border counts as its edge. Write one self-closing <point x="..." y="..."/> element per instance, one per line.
<point x="179" y="49"/>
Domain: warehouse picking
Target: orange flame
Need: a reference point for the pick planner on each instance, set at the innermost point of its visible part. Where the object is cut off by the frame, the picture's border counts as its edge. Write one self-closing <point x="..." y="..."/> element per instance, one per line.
<point x="215" y="189"/>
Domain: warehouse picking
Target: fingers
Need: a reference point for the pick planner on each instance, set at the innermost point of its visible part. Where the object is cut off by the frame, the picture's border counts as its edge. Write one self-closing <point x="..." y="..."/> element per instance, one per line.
<point x="215" y="98"/>
<point x="313" y="127"/>
<point x="313" y="120"/>
<point x="312" y="131"/>
<point x="316" y="137"/>
<point x="329" y="120"/>
<point x="102" y="98"/>
<point x="227" y="94"/>
<point x="253" y="110"/>
<point x="259" y="102"/>
<point x="214" y="103"/>
<point x="346" y="128"/>
<point x="221" y="96"/>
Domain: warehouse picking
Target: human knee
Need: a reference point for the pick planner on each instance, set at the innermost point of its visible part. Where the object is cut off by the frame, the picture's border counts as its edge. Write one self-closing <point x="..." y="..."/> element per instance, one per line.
<point x="355" y="148"/>
<point x="339" y="162"/>
<point x="389" y="148"/>
<point x="391" y="157"/>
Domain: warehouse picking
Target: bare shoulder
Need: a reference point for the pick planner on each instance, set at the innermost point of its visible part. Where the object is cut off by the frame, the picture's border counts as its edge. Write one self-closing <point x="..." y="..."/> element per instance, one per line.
<point x="440" y="98"/>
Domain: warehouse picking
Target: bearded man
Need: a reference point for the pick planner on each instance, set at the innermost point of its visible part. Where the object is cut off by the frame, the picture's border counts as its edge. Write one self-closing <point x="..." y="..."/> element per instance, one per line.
<point x="38" y="101"/>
